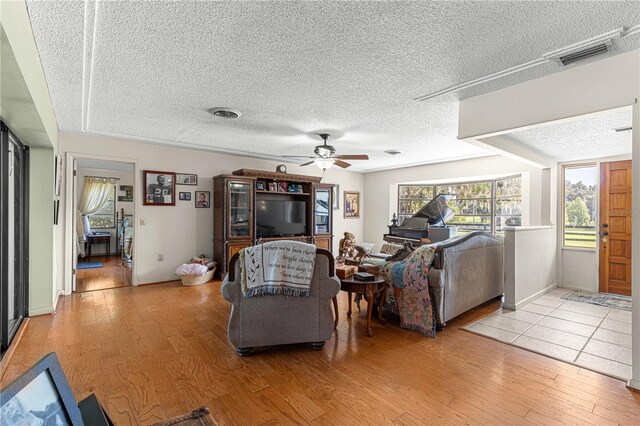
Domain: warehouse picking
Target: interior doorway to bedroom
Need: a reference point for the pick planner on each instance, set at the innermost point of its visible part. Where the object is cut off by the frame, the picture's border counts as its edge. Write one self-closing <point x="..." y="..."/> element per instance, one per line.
<point x="104" y="225"/>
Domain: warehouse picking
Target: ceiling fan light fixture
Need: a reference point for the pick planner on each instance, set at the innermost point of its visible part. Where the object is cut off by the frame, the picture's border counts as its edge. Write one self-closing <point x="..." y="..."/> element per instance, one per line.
<point x="324" y="163"/>
<point x="324" y="150"/>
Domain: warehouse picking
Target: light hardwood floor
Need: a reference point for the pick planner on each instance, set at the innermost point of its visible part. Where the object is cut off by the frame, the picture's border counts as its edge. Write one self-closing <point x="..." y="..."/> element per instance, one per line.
<point x="112" y="275"/>
<point x="155" y="351"/>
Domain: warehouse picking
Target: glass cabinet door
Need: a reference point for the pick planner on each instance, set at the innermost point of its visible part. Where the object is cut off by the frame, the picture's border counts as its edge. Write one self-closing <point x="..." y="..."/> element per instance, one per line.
<point x="239" y="209"/>
<point x="322" y="220"/>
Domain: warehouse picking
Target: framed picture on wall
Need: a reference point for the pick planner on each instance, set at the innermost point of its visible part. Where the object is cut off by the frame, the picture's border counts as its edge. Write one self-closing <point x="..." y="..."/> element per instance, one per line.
<point x="128" y="193"/>
<point x="184" y="196"/>
<point x="203" y="199"/>
<point x="351" y="204"/>
<point x="160" y="188"/>
<point x="186" y="179"/>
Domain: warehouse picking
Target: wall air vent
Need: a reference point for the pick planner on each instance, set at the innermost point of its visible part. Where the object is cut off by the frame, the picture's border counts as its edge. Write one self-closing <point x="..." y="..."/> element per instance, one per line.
<point x="224" y="113"/>
<point x="584" y="54"/>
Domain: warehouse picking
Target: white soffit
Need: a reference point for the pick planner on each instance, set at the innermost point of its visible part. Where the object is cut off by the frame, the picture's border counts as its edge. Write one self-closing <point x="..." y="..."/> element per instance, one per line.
<point x="89" y="163"/>
<point x="150" y="70"/>
<point x="583" y="138"/>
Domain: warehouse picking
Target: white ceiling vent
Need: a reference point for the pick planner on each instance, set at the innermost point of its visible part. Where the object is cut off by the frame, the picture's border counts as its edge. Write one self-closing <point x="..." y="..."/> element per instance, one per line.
<point x="224" y="113"/>
<point x="584" y="54"/>
<point x="623" y="129"/>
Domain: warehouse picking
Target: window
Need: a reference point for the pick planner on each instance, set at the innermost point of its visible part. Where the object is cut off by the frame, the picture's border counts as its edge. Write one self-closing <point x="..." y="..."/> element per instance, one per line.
<point x="478" y="206"/>
<point x="106" y="216"/>
<point x="472" y="205"/>
<point x="579" y="225"/>
<point x="508" y="203"/>
<point x="412" y="198"/>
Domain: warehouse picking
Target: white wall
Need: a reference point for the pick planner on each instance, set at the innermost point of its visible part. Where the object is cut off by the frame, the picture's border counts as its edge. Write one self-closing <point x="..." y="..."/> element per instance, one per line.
<point x="181" y="231"/>
<point x="529" y="264"/>
<point x="597" y="86"/>
<point x="26" y="108"/>
<point x="125" y="178"/>
<point x="41" y="237"/>
<point x="380" y="198"/>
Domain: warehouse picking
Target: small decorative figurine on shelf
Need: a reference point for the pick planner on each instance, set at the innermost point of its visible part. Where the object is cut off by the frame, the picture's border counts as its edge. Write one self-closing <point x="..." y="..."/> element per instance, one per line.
<point x="346" y="247"/>
<point x="394" y="220"/>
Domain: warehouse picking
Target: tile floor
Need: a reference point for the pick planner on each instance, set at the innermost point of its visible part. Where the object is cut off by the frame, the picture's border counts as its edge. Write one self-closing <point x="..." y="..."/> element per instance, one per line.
<point x="591" y="336"/>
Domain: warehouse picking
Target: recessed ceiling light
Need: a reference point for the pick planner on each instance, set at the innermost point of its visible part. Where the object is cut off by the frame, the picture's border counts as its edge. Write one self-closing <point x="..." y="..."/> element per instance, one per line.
<point x="223" y="112"/>
<point x="393" y="152"/>
<point x="623" y="129"/>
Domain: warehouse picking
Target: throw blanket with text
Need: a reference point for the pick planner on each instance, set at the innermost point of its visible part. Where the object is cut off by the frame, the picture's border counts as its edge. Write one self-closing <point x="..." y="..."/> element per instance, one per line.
<point x="278" y="267"/>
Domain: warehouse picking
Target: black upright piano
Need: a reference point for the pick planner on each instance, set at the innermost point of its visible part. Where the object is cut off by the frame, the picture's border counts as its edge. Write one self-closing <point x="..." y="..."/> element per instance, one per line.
<point x="428" y="223"/>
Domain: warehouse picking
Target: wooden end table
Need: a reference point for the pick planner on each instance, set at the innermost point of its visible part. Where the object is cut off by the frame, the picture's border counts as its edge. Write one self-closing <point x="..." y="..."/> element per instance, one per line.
<point x="368" y="289"/>
<point x="98" y="239"/>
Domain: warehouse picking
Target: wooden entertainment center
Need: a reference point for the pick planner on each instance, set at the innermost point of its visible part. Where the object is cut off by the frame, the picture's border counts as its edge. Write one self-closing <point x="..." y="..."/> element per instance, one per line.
<point x="237" y="224"/>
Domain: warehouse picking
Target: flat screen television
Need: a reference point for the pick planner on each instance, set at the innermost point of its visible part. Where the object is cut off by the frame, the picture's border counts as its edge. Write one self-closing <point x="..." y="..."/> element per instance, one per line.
<point x="279" y="217"/>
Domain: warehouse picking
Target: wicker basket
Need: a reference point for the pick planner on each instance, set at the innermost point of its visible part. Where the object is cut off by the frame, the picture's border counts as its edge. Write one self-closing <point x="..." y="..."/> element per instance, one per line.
<point x="191" y="280"/>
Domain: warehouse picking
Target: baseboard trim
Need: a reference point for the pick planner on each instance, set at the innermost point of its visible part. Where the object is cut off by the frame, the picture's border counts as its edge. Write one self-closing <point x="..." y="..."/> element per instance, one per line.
<point x="160" y="280"/>
<point x="55" y="302"/>
<point x="42" y="311"/>
<point x="4" y="362"/>
<point x="634" y="385"/>
<point x="523" y="302"/>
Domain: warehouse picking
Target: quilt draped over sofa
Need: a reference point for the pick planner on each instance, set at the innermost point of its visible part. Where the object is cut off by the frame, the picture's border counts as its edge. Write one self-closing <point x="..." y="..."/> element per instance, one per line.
<point x="409" y="287"/>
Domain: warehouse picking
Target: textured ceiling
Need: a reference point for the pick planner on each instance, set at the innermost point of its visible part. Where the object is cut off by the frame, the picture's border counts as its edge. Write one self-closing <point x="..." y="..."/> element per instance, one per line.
<point x="581" y="139"/>
<point x="150" y="70"/>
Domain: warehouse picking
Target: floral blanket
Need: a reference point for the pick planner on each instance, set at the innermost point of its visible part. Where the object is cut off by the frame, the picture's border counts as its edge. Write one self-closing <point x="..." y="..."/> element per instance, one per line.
<point x="409" y="289"/>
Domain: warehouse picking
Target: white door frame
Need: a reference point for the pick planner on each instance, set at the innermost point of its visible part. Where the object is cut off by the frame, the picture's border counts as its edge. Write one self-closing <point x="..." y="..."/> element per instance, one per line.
<point x="70" y="204"/>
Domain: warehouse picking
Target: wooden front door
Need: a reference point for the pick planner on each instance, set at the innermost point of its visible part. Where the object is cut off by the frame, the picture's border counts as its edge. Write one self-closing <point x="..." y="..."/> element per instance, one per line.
<point x="615" y="227"/>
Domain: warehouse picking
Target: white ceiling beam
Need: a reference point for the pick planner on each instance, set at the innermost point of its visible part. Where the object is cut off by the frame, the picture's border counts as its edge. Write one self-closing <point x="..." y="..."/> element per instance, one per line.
<point x="508" y="147"/>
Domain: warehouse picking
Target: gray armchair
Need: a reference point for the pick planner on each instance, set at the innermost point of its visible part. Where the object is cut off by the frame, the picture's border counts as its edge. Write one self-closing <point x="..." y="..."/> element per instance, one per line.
<point x="277" y="320"/>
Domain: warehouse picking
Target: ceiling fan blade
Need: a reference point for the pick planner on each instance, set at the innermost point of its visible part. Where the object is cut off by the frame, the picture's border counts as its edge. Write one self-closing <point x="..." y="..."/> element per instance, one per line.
<point x="341" y="163"/>
<point x="352" y="157"/>
<point x="297" y="156"/>
<point x="306" y="164"/>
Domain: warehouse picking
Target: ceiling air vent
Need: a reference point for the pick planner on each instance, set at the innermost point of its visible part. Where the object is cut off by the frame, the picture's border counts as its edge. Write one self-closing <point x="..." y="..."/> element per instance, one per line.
<point x="623" y="129"/>
<point x="224" y="113"/>
<point x="584" y="54"/>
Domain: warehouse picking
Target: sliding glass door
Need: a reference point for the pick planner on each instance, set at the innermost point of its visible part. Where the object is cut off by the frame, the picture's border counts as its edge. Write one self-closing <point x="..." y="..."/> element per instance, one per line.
<point x="14" y="171"/>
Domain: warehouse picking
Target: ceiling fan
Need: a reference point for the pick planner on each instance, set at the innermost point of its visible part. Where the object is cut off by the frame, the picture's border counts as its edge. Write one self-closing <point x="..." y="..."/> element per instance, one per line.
<point x="325" y="157"/>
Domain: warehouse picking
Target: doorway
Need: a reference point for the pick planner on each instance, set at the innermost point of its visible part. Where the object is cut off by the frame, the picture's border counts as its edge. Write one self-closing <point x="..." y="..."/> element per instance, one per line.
<point x="615" y="227"/>
<point x="104" y="227"/>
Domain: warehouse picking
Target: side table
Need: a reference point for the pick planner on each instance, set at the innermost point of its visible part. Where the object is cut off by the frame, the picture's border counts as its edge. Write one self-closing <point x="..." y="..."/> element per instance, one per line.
<point x="368" y="289"/>
<point x="98" y="239"/>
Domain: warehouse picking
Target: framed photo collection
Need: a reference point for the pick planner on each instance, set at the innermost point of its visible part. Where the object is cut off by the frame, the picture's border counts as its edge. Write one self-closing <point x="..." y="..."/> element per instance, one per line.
<point x="186" y="179"/>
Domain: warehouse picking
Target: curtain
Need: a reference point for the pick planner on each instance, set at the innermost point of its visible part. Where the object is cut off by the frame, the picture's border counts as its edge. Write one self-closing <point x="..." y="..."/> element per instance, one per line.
<point x="96" y="193"/>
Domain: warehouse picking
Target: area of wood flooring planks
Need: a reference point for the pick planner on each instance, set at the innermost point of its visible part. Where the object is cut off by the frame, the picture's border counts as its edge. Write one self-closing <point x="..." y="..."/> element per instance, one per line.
<point x="156" y="351"/>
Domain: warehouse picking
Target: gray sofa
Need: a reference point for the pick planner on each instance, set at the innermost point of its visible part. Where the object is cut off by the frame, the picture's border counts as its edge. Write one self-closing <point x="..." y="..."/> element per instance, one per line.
<point x="466" y="272"/>
<point x="276" y="320"/>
